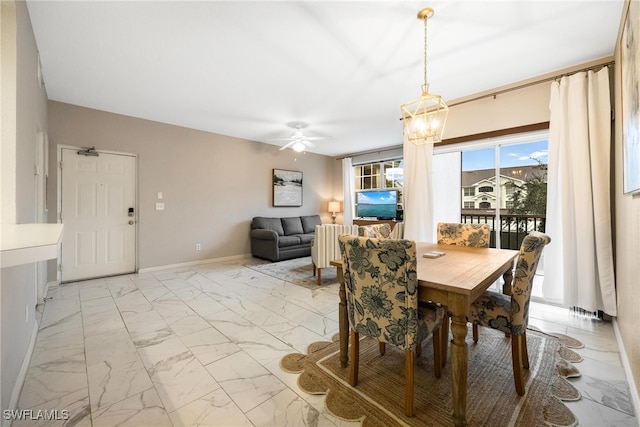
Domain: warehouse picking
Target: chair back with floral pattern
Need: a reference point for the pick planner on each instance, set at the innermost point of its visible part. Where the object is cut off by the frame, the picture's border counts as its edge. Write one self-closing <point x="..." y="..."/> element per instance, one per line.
<point x="375" y="231"/>
<point x="477" y="235"/>
<point x="382" y="289"/>
<point x="530" y="252"/>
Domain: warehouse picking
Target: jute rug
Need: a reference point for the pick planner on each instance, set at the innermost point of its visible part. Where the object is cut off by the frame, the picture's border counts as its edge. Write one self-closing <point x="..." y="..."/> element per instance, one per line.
<point x="378" y="400"/>
<point x="298" y="271"/>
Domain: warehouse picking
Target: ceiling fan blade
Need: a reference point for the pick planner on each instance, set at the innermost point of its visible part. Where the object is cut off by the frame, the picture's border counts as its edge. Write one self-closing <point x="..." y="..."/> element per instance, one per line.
<point x="285" y="146"/>
<point x="308" y="143"/>
<point x="314" y="138"/>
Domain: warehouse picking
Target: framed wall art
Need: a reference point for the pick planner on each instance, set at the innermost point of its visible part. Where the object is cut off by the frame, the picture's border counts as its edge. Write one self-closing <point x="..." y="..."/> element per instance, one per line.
<point x="630" y="78"/>
<point x="287" y="188"/>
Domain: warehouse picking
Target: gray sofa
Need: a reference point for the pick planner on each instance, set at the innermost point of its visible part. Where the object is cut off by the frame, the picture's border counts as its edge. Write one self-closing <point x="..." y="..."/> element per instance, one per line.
<point x="277" y="239"/>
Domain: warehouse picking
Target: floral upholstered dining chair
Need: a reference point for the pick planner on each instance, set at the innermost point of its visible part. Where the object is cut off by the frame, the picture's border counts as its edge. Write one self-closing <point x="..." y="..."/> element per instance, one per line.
<point x="382" y="302"/>
<point x="510" y="313"/>
<point x="476" y="235"/>
<point x="376" y="231"/>
<point x="458" y="234"/>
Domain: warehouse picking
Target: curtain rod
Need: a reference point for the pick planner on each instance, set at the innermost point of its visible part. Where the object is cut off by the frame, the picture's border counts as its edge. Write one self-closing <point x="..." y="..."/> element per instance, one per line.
<point x="537" y="82"/>
<point x="363" y="153"/>
<point x="494" y="94"/>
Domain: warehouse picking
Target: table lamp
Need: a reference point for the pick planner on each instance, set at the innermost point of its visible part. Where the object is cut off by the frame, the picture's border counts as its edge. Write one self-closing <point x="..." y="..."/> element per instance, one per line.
<point x="333" y="208"/>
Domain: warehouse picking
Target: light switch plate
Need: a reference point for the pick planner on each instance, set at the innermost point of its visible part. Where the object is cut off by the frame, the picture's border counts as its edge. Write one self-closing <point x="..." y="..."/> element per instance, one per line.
<point x="159" y="195"/>
<point x="159" y="206"/>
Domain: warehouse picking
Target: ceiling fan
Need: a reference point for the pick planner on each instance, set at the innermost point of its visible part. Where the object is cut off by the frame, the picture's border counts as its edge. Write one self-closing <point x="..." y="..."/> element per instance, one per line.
<point x="297" y="141"/>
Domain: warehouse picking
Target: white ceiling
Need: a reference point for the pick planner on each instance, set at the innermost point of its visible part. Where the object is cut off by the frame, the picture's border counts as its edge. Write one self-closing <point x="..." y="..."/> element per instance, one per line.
<point x="246" y="69"/>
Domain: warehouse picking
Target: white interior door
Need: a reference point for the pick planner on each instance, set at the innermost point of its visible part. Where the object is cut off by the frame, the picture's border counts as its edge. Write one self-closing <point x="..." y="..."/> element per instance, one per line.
<point x="98" y="210"/>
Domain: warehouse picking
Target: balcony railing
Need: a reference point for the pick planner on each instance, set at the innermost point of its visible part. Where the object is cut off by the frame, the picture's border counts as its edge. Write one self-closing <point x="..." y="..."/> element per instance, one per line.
<point x="512" y="227"/>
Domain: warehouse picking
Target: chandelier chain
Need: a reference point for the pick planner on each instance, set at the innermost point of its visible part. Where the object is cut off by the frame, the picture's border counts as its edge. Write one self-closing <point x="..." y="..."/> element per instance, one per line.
<point x="425" y="51"/>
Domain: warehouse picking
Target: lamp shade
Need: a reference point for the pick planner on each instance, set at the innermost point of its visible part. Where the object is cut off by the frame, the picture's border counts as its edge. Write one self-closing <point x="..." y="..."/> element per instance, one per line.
<point x="334" y="207"/>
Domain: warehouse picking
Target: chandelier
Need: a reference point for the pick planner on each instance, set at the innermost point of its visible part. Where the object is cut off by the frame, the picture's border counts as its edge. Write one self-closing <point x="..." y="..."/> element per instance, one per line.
<point x="424" y="118"/>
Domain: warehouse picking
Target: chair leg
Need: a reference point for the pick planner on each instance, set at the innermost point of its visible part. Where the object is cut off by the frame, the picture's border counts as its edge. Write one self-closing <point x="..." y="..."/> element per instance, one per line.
<point x="524" y="352"/>
<point x="355" y="358"/>
<point x="382" y="346"/>
<point x="516" y="359"/>
<point x="437" y="352"/>
<point x="444" y="343"/>
<point x="314" y="268"/>
<point x="475" y="332"/>
<point x="408" y="382"/>
<point x="319" y="276"/>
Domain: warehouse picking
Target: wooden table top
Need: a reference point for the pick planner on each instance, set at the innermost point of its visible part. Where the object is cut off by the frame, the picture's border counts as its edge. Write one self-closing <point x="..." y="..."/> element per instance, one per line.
<point x="462" y="270"/>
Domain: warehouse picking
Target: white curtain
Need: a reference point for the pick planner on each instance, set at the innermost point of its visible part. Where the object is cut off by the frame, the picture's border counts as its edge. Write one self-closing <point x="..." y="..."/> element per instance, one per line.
<point x="348" y="191"/>
<point x="579" y="259"/>
<point x="417" y="191"/>
<point x="447" y="174"/>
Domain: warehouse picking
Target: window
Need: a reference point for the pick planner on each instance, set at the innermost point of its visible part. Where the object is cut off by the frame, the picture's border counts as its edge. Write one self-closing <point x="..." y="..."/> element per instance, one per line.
<point x="393" y="174"/>
<point x="509" y="174"/>
<point x="367" y="176"/>
<point x="380" y="175"/>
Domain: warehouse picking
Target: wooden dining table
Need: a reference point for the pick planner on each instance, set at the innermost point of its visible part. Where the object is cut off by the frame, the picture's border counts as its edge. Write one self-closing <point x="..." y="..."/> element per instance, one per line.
<point x="455" y="279"/>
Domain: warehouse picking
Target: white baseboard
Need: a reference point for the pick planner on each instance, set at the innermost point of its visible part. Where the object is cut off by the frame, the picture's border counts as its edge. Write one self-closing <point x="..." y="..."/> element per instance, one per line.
<point x="17" y="387"/>
<point x="635" y="397"/>
<point x="190" y="263"/>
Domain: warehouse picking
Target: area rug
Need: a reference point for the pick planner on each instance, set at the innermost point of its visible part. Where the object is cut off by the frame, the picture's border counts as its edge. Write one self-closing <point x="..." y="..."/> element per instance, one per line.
<point x="378" y="400"/>
<point x="298" y="271"/>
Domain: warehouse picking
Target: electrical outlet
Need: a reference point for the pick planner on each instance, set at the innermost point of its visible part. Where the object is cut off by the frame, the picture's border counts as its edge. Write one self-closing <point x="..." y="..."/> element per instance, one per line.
<point x="198" y="247"/>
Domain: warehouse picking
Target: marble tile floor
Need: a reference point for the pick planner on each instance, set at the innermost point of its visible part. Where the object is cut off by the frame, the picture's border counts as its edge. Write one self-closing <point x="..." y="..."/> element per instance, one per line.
<point x="200" y="346"/>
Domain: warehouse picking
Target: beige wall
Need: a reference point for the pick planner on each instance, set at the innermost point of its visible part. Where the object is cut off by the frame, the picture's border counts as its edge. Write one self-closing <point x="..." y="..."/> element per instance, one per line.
<point x="520" y="107"/>
<point x="212" y="184"/>
<point x="29" y="109"/>
<point x="627" y="239"/>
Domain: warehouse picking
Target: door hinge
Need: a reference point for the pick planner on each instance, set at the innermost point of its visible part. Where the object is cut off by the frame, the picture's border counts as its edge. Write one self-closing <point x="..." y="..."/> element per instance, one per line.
<point x="60" y="164"/>
<point x="60" y="267"/>
<point x="60" y="216"/>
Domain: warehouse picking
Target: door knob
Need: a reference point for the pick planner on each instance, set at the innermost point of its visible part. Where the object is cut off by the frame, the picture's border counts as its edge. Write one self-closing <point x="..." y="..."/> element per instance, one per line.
<point x="130" y="222"/>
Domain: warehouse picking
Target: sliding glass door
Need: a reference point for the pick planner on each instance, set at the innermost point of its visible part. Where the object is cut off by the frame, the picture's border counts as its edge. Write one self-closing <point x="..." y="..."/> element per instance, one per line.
<point x="502" y="183"/>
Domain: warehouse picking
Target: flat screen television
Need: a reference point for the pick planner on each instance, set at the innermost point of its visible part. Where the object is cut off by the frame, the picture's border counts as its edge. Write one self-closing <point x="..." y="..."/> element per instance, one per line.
<point x="379" y="204"/>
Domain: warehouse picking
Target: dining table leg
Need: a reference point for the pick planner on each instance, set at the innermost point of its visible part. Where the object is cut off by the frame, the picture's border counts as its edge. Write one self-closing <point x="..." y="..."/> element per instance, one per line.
<point x="343" y="321"/>
<point x="459" y="358"/>
<point x="508" y="279"/>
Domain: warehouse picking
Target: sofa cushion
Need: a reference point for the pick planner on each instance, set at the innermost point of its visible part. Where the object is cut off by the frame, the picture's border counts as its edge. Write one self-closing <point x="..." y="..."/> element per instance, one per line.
<point x="268" y="224"/>
<point x="309" y="223"/>
<point x="306" y="238"/>
<point x="284" y="241"/>
<point x="292" y="225"/>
